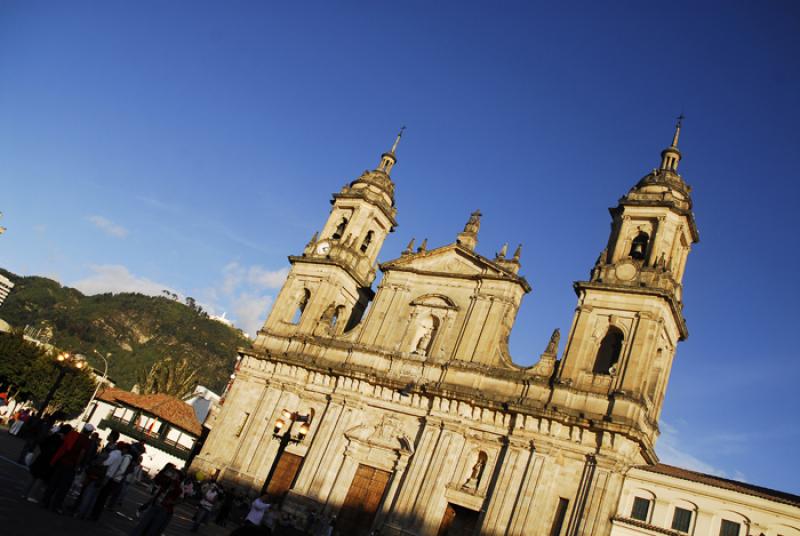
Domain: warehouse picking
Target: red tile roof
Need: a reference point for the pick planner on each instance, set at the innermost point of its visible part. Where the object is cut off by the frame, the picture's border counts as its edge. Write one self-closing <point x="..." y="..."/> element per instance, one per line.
<point x="723" y="483"/>
<point x="165" y="407"/>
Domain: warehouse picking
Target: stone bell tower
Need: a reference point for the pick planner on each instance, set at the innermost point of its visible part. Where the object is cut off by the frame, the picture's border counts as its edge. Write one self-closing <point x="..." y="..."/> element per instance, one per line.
<point x="629" y="318"/>
<point x="328" y="286"/>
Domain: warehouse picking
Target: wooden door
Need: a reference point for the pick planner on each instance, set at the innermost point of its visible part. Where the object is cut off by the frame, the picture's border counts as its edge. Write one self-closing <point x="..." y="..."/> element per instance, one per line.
<point x="283" y="477"/>
<point x="458" y="521"/>
<point x="362" y="501"/>
<point x="447" y="520"/>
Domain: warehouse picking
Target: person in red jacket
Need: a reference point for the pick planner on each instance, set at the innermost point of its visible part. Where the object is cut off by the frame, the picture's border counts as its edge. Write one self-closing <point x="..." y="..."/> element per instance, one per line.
<point x="158" y="515"/>
<point x="64" y="462"/>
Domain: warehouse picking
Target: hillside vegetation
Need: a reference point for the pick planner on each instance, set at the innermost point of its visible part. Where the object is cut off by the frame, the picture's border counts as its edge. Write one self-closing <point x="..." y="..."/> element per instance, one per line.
<point x="137" y="330"/>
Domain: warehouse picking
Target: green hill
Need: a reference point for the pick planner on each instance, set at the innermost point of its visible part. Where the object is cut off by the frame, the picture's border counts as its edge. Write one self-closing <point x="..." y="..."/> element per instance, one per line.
<point x="138" y="330"/>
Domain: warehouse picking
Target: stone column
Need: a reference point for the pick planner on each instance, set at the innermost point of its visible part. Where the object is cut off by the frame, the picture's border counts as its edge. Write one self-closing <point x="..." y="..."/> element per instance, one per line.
<point x="581" y="497"/>
<point x="323" y="479"/>
<point x="319" y="446"/>
<point x="520" y="522"/>
<point x="416" y="474"/>
<point x="266" y="448"/>
<point x="431" y="501"/>
<point x="391" y="493"/>
<point x="602" y="503"/>
<point x="344" y="477"/>
<point x="506" y="490"/>
<point x="258" y="429"/>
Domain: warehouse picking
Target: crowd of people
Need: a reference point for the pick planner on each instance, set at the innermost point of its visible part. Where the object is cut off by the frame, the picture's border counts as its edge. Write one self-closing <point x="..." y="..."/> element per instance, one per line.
<point x="73" y="472"/>
<point x="64" y="462"/>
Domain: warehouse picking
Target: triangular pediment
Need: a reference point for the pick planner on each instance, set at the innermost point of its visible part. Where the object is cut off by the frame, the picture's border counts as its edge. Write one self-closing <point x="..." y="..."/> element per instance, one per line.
<point x="453" y="260"/>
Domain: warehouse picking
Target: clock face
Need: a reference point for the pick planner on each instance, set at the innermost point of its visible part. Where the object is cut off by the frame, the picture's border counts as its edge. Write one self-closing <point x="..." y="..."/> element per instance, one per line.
<point x="323" y="248"/>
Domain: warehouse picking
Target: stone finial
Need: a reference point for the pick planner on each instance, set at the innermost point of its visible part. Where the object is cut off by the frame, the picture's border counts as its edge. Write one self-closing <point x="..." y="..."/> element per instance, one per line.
<point x="423" y="247"/>
<point x="469" y="236"/>
<point x="503" y="251"/>
<point x="313" y="239"/>
<point x="601" y="258"/>
<point x="518" y="253"/>
<point x="409" y="248"/>
<point x="552" y="346"/>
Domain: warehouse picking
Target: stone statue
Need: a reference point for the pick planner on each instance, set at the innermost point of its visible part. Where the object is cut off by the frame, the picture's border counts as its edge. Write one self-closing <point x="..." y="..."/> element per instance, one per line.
<point x="424" y="342"/>
<point x="552" y="346"/>
<point x="477" y="472"/>
<point x="474" y="223"/>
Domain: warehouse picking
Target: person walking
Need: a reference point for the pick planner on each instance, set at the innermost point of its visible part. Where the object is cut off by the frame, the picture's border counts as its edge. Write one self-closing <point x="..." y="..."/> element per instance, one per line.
<point x="64" y="461"/>
<point x="225" y="508"/>
<point x="257" y="511"/>
<point x="155" y="519"/>
<point x="134" y="475"/>
<point x="161" y="478"/>
<point x="114" y="476"/>
<point x="98" y="473"/>
<point x="40" y="468"/>
<point x="210" y="493"/>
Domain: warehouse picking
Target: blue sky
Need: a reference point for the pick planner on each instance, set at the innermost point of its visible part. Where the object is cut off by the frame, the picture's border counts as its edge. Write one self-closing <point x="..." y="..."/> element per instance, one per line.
<point x="194" y="145"/>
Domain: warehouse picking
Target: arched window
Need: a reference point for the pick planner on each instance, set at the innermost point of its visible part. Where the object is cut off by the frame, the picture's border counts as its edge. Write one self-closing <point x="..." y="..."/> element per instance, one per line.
<point x="298" y="314"/>
<point x="609" y="351"/>
<point x="639" y="245"/>
<point x="367" y="241"/>
<point x="339" y="232"/>
<point x="337" y="313"/>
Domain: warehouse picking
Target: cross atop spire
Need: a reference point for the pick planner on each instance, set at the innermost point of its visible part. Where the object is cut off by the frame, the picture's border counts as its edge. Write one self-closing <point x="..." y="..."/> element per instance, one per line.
<point x="388" y="160"/>
<point x="677" y="130"/>
<point x="671" y="155"/>
<point x="397" y="141"/>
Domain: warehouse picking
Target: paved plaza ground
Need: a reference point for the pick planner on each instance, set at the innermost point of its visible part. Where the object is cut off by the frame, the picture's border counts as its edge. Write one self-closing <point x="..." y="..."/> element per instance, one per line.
<point x="19" y="517"/>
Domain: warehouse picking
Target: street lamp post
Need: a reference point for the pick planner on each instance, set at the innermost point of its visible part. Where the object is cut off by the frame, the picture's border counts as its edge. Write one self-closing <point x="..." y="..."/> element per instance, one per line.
<point x="285" y="438"/>
<point x="62" y="361"/>
<point x="85" y="415"/>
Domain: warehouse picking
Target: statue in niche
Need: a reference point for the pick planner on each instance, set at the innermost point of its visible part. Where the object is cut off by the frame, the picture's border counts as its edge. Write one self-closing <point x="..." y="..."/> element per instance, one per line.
<point x="662" y="262"/>
<point x="424" y="342"/>
<point x="477" y="472"/>
<point x="430" y="326"/>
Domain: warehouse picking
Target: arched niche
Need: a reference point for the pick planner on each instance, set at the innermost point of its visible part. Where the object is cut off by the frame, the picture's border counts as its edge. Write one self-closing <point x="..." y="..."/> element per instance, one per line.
<point x="431" y="318"/>
<point x="302" y="302"/>
<point x="609" y="351"/>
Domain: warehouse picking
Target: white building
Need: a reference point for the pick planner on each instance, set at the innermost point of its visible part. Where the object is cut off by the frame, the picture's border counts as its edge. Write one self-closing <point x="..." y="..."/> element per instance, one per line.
<point x="166" y="425"/>
<point x="5" y="288"/>
<point x="202" y="400"/>
<point x="662" y="499"/>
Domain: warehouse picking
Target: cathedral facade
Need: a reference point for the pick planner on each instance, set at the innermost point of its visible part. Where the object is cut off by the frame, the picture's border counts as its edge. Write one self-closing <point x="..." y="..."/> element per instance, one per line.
<point x="400" y="410"/>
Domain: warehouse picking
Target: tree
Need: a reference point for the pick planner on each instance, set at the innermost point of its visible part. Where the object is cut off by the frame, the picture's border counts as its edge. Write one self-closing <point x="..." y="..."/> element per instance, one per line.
<point x="30" y="372"/>
<point x="169" y="377"/>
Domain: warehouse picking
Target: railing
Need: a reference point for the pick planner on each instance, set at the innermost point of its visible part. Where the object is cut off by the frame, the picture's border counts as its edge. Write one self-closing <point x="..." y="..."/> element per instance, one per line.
<point x="146" y="436"/>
